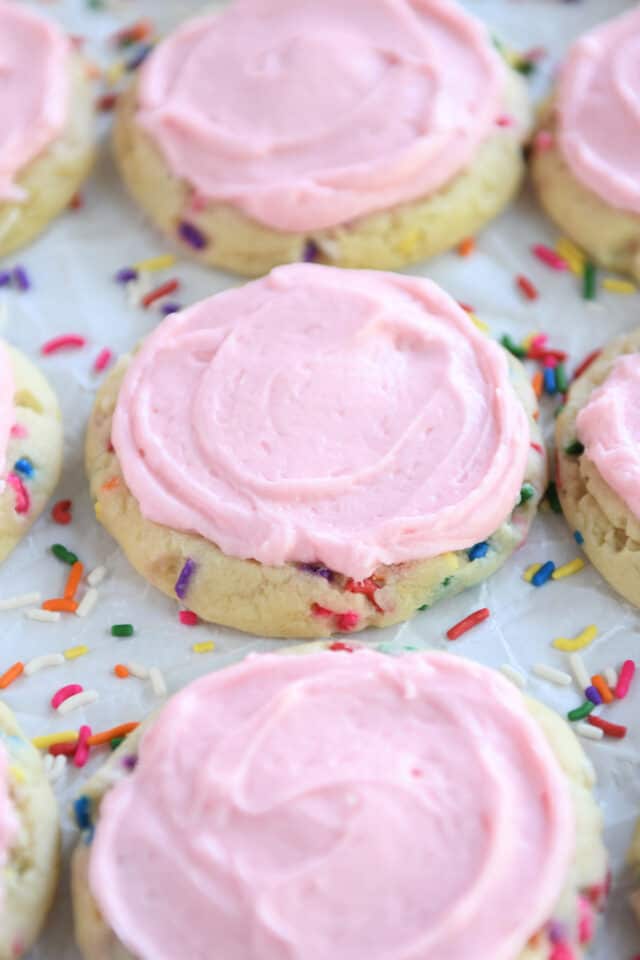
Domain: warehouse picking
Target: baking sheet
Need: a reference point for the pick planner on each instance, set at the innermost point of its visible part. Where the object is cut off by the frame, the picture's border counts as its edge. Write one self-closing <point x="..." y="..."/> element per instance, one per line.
<point x="72" y="269"/>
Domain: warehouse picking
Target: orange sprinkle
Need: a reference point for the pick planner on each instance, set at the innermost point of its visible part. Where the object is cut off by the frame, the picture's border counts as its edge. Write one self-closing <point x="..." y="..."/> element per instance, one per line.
<point x="536" y="415"/>
<point x="466" y="247"/>
<point x="537" y="382"/>
<point x="11" y="674"/>
<point x="602" y="687"/>
<point x="60" y="604"/>
<point x="121" y="671"/>
<point x="111" y="484"/>
<point x="73" y="580"/>
<point x="108" y="735"/>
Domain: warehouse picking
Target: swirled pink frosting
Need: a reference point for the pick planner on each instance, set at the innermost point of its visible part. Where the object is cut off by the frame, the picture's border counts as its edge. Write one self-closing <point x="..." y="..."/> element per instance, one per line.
<point x="7" y="410"/>
<point x="599" y="111"/>
<point x="336" y="806"/>
<point x="305" y="115"/>
<point x="349" y="417"/>
<point x="609" y="427"/>
<point x="34" y="90"/>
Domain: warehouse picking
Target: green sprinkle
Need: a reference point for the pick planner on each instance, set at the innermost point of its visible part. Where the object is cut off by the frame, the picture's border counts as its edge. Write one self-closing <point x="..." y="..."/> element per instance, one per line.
<point x="63" y="554"/>
<point x="512" y="347"/>
<point x="574" y="449"/>
<point x="525" y="67"/>
<point x="527" y="491"/>
<point x="581" y="712"/>
<point x="115" y="743"/>
<point x="589" y="280"/>
<point x="558" y="411"/>
<point x="122" y="630"/>
<point x="552" y="498"/>
<point x="425" y="606"/>
<point x="446" y="581"/>
<point x="561" y="378"/>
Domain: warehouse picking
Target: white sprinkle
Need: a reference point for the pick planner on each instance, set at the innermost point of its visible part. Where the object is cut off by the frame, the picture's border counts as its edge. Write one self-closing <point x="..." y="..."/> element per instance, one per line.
<point x="514" y="675"/>
<point x="78" y="700"/>
<point x="137" y="670"/>
<point x="559" y="677"/>
<point x="22" y="600"/>
<point x="588" y="732"/>
<point x="157" y="682"/>
<point x="48" y="762"/>
<point x="579" y="671"/>
<point x="46" y="660"/>
<point x="56" y="768"/>
<point x="87" y="603"/>
<point x="96" y="576"/>
<point x="44" y="616"/>
<point x="611" y="676"/>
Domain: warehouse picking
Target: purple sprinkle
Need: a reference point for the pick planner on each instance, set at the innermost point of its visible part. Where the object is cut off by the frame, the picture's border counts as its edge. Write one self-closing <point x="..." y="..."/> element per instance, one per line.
<point x="182" y="583"/>
<point x="5" y="278"/>
<point x="317" y="569"/>
<point x="126" y="275"/>
<point x="594" y="695"/>
<point x="191" y="235"/>
<point x="168" y="308"/>
<point x="21" y="278"/>
<point x="310" y="252"/>
<point x="130" y="761"/>
<point x="557" y="932"/>
<point x="139" y="57"/>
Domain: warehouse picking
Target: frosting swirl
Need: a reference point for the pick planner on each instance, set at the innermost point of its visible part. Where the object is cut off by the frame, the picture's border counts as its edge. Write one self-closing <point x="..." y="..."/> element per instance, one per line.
<point x="34" y="90"/>
<point x="351" y="418"/>
<point x="599" y="111"/>
<point x="400" y="827"/>
<point x="305" y="115"/>
<point x="6" y="404"/>
<point x="609" y="427"/>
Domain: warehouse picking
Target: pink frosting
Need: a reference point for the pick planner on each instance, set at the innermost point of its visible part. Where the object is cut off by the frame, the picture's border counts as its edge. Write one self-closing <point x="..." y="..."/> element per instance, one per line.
<point x="34" y="90"/>
<point x="337" y="805"/>
<point x="8" y="819"/>
<point x="7" y="411"/>
<point x="306" y="114"/>
<point x="599" y="111"/>
<point x="609" y="427"/>
<point x="348" y="417"/>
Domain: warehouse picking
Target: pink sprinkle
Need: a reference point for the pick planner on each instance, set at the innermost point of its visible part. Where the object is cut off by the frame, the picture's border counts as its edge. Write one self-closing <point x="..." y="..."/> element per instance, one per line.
<point x="83" y="749"/>
<point x="625" y="678"/>
<point x="198" y="202"/>
<point x="562" y="951"/>
<point x="319" y="611"/>
<point x="348" y="620"/>
<point x="539" y="342"/>
<point x="550" y="361"/>
<point x="188" y="618"/>
<point x="64" y="693"/>
<point x="586" y="924"/>
<point x="23" y="500"/>
<point x="536" y="54"/>
<point x="543" y="140"/>
<point x="549" y="256"/>
<point x="536" y="447"/>
<point x="103" y="360"/>
<point x="18" y="430"/>
<point x="505" y="120"/>
<point x="64" y="342"/>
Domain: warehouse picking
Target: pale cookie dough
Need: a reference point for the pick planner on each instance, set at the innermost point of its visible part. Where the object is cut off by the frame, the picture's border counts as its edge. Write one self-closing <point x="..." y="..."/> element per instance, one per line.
<point x="574" y="920"/>
<point x="30" y="876"/>
<point x="386" y="240"/>
<point x="278" y="601"/>
<point x="55" y="176"/>
<point x="633" y="859"/>
<point x="610" y="531"/>
<point x="37" y="437"/>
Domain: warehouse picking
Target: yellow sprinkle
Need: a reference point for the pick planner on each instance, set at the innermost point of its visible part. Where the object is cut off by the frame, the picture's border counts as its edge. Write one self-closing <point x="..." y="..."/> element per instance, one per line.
<point x="568" y="569"/>
<point x="153" y="264"/>
<point x="72" y="653"/>
<point x="613" y="285"/>
<point x="571" y="644"/>
<point x="526" y="343"/>
<point x="98" y="509"/>
<point x="115" y="72"/>
<point x="409" y="242"/>
<point x="17" y="773"/>
<point x="531" y="571"/>
<point x="480" y="324"/>
<point x="206" y="647"/>
<point x="66" y="736"/>
<point x="573" y="255"/>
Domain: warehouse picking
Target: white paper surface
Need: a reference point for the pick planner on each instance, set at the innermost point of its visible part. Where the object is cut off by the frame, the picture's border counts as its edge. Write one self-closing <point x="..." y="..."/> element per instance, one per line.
<point x="72" y="269"/>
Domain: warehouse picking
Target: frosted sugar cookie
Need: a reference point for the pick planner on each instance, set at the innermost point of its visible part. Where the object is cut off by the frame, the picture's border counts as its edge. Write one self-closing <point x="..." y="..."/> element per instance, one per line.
<point x="29" y="840"/>
<point x="364" y="134"/>
<point x="587" y="155"/>
<point x="30" y="445"/>
<point x="340" y="806"/>
<point x="598" y="436"/>
<point x="319" y="450"/>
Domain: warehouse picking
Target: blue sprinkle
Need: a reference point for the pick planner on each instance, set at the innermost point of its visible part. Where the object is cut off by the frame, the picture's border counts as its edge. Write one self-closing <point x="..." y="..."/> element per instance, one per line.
<point x="310" y="252"/>
<point x="317" y="569"/>
<point x="82" y="812"/>
<point x="578" y="537"/>
<point x="139" y="56"/>
<point x="24" y="466"/>
<point x="550" y="384"/>
<point x="5" y="278"/>
<point x="170" y="307"/>
<point x="478" y="551"/>
<point x="543" y="574"/>
<point x="592" y="694"/>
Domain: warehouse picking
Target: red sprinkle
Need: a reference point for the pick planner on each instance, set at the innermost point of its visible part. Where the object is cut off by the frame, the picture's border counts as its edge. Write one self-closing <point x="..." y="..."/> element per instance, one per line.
<point x="162" y="291"/>
<point x="83" y="749"/>
<point x="527" y="287"/>
<point x="23" y="500"/>
<point x="77" y="202"/>
<point x="188" y="618"/>
<point x="64" y="693"/>
<point x="627" y="671"/>
<point x="586" y="363"/>
<point x="471" y="621"/>
<point x="610" y="729"/>
<point x="319" y="611"/>
<point x="63" y="749"/>
<point x="344" y="647"/>
<point x="367" y="587"/>
<point x="107" y="102"/>
<point x="549" y="257"/>
<point x="348" y="620"/>
<point x="61" y="512"/>
<point x="505" y="120"/>
<point x="64" y="342"/>
<point x="103" y="360"/>
<point x="536" y="447"/>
